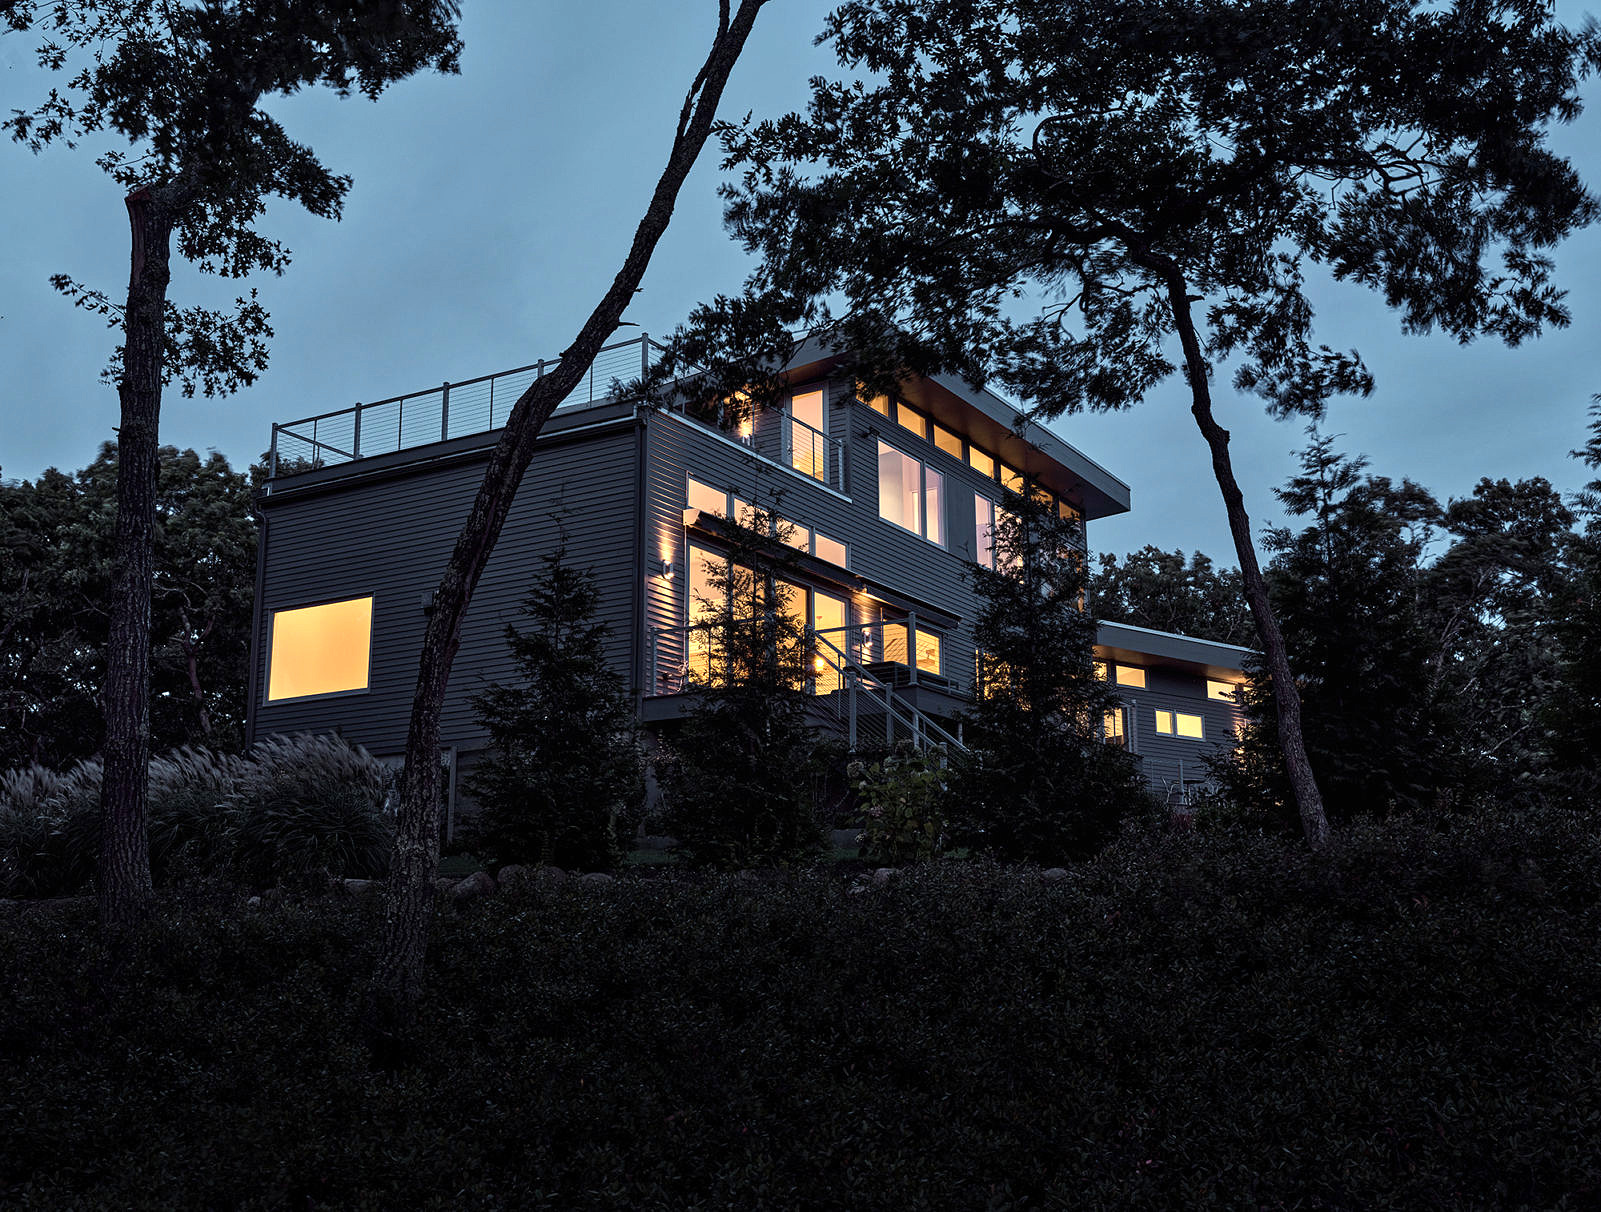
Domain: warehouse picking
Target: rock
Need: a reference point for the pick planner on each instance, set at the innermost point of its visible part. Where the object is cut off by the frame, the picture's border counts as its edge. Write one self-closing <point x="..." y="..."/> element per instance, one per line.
<point x="1054" y="875"/>
<point x="272" y="896"/>
<point x="253" y="903"/>
<point x="445" y="884"/>
<point x="512" y="873"/>
<point x="883" y="875"/>
<point x="595" y="877"/>
<point x="361" y="887"/>
<point x="550" y="875"/>
<point x="479" y="883"/>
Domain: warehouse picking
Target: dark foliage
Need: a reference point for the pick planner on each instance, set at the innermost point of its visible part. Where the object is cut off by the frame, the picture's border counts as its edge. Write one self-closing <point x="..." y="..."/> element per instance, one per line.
<point x="563" y="782"/>
<point x="1164" y="591"/>
<point x="1573" y="716"/>
<point x="743" y="777"/>
<point x="55" y="573"/>
<point x="1423" y="640"/>
<point x="1408" y="1022"/>
<point x="1039" y="782"/>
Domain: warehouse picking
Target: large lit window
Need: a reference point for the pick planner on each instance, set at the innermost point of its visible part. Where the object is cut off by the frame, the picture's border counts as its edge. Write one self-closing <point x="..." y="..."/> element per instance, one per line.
<point x="1114" y="727"/>
<point x="1180" y="723"/>
<point x="323" y="649"/>
<point x="807" y="434"/>
<point x="948" y="442"/>
<point x="1012" y="479"/>
<point x="1130" y="675"/>
<point x="981" y="461"/>
<point x="910" y="495"/>
<point x="1228" y="692"/>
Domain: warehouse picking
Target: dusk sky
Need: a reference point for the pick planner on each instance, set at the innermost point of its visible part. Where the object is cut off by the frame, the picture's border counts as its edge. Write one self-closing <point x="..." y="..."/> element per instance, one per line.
<point x="491" y="209"/>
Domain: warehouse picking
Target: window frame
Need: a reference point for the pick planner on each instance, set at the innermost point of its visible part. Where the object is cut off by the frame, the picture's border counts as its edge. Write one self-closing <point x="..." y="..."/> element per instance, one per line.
<point x="923" y="472"/>
<point x="1173" y="715"/>
<point x="272" y="635"/>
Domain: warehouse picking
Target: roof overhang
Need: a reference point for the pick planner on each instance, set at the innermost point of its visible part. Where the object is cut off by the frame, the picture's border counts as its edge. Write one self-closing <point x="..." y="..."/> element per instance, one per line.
<point x="1145" y="646"/>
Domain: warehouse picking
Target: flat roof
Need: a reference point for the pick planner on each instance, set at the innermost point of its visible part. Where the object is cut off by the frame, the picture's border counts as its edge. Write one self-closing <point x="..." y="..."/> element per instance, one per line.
<point x="1140" y="645"/>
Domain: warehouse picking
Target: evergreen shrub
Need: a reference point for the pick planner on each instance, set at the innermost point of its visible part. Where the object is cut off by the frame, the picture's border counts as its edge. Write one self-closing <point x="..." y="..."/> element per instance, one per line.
<point x="1188" y="1019"/>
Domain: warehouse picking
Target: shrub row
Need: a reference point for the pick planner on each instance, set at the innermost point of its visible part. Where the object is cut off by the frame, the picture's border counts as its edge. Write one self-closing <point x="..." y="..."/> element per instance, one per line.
<point x="1408" y="1022"/>
<point x="295" y="808"/>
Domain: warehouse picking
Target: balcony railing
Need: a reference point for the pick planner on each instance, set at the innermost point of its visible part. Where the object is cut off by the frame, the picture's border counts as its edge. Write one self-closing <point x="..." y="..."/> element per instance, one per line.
<point x="455" y="410"/>
<point x="451" y="410"/>
<point x="860" y="673"/>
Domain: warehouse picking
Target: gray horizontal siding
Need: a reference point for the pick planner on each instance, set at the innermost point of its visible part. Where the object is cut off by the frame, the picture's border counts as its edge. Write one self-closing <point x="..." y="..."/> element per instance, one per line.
<point x="1161" y="756"/>
<point x="390" y="536"/>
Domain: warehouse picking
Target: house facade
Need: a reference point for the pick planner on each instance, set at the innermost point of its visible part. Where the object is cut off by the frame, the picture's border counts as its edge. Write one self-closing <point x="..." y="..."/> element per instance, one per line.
<point x="884" y="504"/>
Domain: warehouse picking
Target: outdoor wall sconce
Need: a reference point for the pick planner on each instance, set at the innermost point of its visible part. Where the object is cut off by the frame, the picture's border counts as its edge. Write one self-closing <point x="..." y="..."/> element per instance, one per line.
<point x="664" y="569"/>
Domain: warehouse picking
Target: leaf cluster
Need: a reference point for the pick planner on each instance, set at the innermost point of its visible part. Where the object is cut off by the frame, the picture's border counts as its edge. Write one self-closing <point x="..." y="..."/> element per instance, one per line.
<point x="1015" y="192"/>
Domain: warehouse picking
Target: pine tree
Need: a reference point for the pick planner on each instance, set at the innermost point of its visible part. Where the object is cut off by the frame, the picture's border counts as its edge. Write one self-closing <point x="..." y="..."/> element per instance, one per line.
<point x="565" y="774"/>
<point x="742" y="776"/>
<point x="1040" y="782"/>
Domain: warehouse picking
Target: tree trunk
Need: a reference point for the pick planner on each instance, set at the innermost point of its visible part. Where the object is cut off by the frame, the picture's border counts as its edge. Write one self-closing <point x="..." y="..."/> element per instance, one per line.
<point x="124" y="889"/>
<point x="397" y="981"/>
<point x="1308" y="799"/>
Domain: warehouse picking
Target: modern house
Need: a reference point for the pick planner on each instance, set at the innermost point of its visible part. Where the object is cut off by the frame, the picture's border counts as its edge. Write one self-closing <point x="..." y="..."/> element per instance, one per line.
<point x="886" y="504"/>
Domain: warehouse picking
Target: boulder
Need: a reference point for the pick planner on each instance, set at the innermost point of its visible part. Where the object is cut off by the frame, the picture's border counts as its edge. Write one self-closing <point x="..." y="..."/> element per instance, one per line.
<point x="513" y="873"/>
<point x="361" y="887"/>
<point x="445" y="884"/>
<point x="479" y="883"/>
<point x="883" y="875"/>
<point x="253" y="903"/>
<point x="550" y="875"/>
<point x="595" y="877"/>
<point x="1054" y="875"/>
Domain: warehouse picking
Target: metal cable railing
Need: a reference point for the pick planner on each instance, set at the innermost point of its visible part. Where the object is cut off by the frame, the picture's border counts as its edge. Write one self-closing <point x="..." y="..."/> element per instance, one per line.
<point x="451" y="410"/>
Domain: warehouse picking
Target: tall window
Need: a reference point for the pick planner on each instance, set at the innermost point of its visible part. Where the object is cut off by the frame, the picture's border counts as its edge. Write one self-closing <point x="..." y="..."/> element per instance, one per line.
<point x="324" y="649"/>
<point x="910" y="494"/>
<point x="984" y="524"/>
<point x="807" y="434"/>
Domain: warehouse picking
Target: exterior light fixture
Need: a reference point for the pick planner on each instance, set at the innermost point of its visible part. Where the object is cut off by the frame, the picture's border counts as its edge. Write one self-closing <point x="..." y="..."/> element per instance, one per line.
<point x="664" y="569"/>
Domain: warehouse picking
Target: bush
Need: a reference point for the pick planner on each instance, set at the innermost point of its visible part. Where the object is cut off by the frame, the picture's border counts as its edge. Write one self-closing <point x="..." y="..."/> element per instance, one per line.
<point x="1188" y="1019"/>
<point x="903" y="806"/>
<point x="308" y="807"/>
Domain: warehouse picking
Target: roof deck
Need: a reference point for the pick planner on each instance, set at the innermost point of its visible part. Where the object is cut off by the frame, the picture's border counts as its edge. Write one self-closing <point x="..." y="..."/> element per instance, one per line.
<point x="451" y="410"/>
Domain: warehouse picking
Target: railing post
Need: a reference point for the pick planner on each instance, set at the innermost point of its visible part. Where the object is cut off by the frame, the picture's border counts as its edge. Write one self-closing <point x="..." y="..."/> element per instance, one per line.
<point x="644" y="354"/>
<point x="355" y="445"/>
<point x="444" y="411"/>
<point x="491" y="401"/>
<point x="852" y="679"/>
<point x="400" y="424"/>
<point x="272" y="458"/>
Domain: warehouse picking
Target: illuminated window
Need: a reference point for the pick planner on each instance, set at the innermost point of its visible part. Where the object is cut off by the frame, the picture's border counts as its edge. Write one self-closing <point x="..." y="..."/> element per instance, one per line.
<point x="948" y="442"/>
<point x="703" y="498"/>
<point x="829" y="549"/>
<point x="1228" y="692"/>
<point x="1114" y="730"/>
<point x="1067" y="513"/>
<point x="807" y="434"/>
<point x="1012" y="479"/>
<point x="984" y="526"/>
<point x="879" y="404"/>
<point x="788" y="532"/>
<point x="1179" y="723"/>
<point x="910" y="495"/>
<point x="1130" y="675"/>
<point x="927" y="645"/>
<point x="913" y="420"/>
<point x="980" y="462"/>
<point x="828" y="623"/>
<point x="323" y="649"/>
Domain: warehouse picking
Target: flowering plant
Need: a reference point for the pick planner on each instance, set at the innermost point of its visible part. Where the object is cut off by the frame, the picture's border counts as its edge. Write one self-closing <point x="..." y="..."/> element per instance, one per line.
<point x="903" y="806"/>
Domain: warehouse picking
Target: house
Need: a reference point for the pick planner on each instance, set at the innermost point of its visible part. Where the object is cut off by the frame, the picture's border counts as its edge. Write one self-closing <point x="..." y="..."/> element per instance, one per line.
<point x="886" y="502"/>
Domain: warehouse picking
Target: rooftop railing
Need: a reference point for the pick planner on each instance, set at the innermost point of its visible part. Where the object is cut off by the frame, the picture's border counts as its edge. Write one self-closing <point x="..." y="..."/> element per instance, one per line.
<point x="451" y="410"/>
